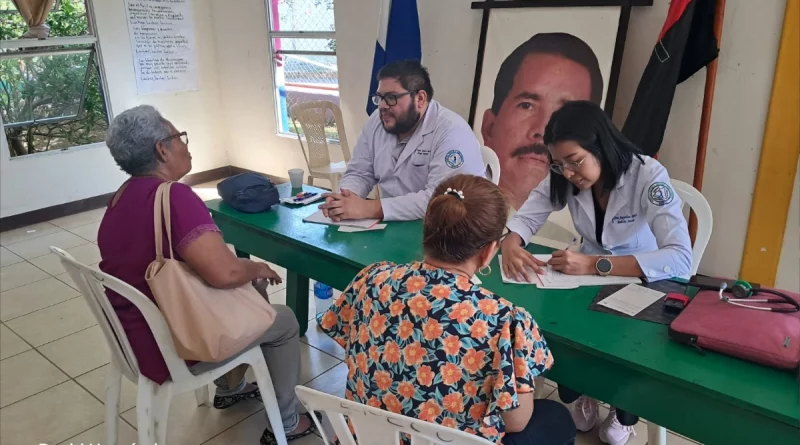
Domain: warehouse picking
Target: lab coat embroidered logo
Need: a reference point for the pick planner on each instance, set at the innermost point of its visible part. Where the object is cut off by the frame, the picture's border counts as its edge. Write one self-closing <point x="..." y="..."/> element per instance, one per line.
<point x="660" y="194"/>
<point x="454" y="159"/>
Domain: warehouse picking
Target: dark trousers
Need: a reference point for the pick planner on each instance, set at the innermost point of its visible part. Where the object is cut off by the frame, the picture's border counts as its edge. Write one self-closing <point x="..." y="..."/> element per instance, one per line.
<point x="550" y="424"/>
<point x="568" y="396"/>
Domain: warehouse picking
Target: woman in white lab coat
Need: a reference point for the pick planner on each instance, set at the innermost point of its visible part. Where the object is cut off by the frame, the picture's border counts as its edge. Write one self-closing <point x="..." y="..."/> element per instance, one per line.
<point x="623" y="206"/>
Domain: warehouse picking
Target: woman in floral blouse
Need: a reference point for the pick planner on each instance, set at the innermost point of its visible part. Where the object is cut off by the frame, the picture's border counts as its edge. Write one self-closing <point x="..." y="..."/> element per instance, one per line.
<point x="423" y="341"/>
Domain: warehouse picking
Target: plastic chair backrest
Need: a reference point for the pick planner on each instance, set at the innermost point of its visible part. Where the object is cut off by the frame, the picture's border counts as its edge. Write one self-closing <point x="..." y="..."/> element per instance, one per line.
<point x="92" y="284"/>
<point x="312" y="117"/>
<point x="492" y="163"/>
<point x="375" y="426"/>
<point x="705" y="220"/>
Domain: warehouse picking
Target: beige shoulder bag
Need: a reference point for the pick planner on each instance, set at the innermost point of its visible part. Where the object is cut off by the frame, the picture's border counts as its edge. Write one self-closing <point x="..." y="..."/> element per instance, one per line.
<point x="207" y="324"/>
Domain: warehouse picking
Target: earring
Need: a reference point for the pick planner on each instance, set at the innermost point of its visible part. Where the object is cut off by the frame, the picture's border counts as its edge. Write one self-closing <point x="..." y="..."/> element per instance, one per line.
<point x="487" y="269"/>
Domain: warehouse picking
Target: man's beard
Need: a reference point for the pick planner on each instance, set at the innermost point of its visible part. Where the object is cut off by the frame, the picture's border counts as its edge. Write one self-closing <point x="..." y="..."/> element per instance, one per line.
<point x="539" y="149"/>
<point x="405" y="123"/>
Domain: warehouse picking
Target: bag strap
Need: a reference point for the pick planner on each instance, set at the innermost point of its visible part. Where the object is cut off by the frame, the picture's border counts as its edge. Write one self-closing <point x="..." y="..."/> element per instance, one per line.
<point x="161" y="209"/>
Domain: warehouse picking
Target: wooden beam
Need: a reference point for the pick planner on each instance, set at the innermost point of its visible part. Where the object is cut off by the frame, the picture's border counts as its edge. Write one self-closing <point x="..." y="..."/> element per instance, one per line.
<point x="777" y="168"/>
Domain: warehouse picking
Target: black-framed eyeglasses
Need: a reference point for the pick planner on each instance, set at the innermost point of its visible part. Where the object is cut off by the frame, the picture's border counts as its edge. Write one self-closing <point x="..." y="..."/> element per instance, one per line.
<point x="499" y="240"/>
<point x="184" y="137"/>
<point x="569" y="165"/>
<point x="391" y="98"/>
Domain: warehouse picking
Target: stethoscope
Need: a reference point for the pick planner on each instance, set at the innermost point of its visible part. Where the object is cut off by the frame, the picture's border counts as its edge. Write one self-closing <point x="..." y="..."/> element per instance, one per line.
<point x="742" y="290"/>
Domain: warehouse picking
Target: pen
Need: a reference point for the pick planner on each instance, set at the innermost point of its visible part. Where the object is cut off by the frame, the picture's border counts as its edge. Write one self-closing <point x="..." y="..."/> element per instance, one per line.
<point x="573" y="244"/>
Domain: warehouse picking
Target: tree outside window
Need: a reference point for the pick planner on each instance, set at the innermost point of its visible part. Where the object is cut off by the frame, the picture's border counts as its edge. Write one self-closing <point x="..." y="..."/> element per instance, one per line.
<point x="51" y="91"/>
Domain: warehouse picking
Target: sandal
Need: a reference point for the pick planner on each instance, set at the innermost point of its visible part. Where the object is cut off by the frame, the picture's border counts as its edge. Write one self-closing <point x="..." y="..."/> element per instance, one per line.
<point x="225" y="402"/>
<point x="268" y="438"/>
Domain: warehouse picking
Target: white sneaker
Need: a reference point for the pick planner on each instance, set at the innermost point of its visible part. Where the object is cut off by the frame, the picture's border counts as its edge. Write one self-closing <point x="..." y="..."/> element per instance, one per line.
<point x="584" y="413"/>
<point x="614" y="433"/>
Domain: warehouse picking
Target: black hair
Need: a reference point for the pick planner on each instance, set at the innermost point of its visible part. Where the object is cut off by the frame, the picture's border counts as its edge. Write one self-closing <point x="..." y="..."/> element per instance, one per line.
<point x="585" y="123"/>
<point x="559" y="43"/>
<point x="411" y="75"/>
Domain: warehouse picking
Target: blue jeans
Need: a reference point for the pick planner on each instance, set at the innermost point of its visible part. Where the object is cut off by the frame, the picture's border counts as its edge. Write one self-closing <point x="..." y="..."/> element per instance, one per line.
<point x="550" y="424"/>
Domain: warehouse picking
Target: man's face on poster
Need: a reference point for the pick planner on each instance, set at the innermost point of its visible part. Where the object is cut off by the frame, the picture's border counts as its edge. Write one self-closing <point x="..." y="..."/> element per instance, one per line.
<point x="542" y="84"/>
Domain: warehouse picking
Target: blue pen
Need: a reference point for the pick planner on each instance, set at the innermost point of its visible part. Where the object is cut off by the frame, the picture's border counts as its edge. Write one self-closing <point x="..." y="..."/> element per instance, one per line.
<point x="573" y="244"/>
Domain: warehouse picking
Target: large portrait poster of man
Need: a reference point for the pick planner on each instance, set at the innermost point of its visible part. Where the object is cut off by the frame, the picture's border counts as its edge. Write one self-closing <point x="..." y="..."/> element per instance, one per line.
<point x="534" y="61"/>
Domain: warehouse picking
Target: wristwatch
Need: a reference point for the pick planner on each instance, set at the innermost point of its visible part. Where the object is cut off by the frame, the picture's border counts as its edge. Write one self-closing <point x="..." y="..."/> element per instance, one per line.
<point x="603" y="266"/>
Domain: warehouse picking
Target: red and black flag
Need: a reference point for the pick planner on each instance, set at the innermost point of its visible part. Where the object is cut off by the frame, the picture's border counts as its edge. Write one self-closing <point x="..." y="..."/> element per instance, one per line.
<point x="685" y="45"/>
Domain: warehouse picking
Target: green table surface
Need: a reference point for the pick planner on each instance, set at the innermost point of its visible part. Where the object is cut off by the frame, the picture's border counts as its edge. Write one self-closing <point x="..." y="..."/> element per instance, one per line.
<point x="628" y="363"/>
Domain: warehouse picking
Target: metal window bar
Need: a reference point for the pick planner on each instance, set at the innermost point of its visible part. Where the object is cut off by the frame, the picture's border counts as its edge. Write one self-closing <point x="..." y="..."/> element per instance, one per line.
<point x="90" y="64"/>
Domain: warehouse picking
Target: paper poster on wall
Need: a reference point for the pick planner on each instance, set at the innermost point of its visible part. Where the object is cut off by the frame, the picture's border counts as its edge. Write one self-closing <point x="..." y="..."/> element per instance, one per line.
<point x="162" y="41"/>
<point x="534" y="60"/>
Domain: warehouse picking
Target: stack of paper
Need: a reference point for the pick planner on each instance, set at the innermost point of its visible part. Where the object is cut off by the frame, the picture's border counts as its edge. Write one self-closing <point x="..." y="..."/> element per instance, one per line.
<point x="631" y="299"/>
<point x="320" y="218"/>
<point x="552" y="279"/>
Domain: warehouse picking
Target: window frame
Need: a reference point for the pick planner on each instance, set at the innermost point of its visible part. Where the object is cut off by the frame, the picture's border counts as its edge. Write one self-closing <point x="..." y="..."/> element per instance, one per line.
<point x="92" y="41"/>
<point x="273" y="54"/>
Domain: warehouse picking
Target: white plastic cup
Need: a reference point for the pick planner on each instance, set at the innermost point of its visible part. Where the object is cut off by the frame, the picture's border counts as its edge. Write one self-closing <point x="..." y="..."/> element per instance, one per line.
<point x="296" y="177"/>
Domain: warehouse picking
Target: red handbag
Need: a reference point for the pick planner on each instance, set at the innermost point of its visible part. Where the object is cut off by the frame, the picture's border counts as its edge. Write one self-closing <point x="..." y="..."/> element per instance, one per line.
<point x="760" y="336"/>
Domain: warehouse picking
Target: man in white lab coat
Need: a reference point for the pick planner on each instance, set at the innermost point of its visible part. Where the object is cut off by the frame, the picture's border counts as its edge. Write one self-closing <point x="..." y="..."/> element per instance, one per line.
<point x="407" y="147"/>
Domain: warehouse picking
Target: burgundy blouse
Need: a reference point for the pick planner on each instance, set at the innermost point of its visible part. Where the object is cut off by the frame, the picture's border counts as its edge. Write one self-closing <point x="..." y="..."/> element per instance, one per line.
<point x="127" y="245"/>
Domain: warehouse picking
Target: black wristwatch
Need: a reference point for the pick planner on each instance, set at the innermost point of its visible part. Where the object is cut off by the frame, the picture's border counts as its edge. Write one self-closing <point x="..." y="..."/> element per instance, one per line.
<point x="603" y="266"/>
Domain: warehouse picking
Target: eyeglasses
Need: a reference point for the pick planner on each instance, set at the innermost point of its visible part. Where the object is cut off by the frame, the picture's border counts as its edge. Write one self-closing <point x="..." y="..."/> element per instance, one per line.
<point x="390" y="99"/>
<point x="499" y="240"/>
<point x="571" y="166"/>
<point x="184" y="137"/>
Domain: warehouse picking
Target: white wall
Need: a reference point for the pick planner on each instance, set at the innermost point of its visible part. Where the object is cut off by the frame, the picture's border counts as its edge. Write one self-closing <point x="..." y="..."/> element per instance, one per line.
<point x="48" y="179"/>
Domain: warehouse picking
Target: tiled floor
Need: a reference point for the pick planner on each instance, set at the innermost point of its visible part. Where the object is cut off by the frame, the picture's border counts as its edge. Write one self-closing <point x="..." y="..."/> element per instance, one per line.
<point x="53" y="357"/>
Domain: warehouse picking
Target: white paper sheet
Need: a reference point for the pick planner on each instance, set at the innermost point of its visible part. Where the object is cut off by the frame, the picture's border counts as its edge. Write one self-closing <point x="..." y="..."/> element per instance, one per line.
<point x="531" y="273"/>
<point x="552" y="279"/>
<point x="162" y="40"/>
<point x="319" y="218"/>
<point x="631" y="299"/>
<point x="349" y="229"/>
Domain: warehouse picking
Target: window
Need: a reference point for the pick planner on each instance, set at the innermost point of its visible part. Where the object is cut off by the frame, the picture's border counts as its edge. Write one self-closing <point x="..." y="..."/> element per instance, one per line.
<point x="51" y="91"/>
<point x="303" y="50"/>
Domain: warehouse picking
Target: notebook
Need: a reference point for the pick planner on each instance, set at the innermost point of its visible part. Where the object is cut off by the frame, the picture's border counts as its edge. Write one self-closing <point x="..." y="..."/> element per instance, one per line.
<point x="552" y="279"/>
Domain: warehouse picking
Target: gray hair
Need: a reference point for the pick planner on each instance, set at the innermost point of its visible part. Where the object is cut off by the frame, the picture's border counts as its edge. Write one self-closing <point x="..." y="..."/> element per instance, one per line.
<point x="132" y="138"/>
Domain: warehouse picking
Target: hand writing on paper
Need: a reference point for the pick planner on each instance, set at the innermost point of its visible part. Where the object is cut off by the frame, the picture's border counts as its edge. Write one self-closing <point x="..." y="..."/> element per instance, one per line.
<point x="517" y="261"/>
<point x="573" y="263"/>
<point x="347" y="205"/>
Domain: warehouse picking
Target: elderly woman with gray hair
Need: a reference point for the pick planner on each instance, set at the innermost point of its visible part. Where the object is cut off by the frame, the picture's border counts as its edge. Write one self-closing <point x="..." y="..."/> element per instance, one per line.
<point x="151" y="150"/>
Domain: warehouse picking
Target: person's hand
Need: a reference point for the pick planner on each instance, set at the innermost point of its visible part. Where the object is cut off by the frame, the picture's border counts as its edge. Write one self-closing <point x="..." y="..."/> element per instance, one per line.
<point x="269" y="275"/>
<point x="348" y="205"/>
<point x="573" y="263"/>
<point x="517" y="261"/>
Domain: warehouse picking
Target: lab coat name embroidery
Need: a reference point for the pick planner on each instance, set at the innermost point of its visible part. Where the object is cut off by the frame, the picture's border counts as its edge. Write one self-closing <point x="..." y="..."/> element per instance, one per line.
<point x="624" y="219"/>
<point x="660" y="194"/>
<point x="454" y="159"/>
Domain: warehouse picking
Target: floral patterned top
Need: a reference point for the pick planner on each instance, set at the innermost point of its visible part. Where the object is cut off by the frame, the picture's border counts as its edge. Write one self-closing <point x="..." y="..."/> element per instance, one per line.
<point x="426" y="343"/>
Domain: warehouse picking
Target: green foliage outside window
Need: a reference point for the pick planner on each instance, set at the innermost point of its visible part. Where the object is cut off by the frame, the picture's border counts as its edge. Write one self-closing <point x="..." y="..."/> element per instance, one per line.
<point x="43" y="86"/>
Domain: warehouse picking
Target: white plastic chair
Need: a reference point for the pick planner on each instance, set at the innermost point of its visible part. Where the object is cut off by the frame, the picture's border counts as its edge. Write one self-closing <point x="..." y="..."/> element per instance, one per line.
<point x="492" y="163"/>
<point x="152" y="399"/>
<point x="657" y="435"/>
<point x="705" y="220"/>
<point x="376" y="426"/>
<point x="312" y="117"/>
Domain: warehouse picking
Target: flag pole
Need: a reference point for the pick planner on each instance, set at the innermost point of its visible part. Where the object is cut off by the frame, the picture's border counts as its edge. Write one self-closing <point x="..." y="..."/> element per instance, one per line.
<point x="705" y="117"/>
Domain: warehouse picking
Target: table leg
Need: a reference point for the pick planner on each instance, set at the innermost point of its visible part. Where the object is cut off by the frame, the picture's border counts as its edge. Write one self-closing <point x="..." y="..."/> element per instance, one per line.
<point x="297" y="298"/>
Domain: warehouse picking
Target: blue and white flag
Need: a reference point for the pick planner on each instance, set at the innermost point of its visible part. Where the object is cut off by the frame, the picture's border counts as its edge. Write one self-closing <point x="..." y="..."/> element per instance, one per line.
<point x="398" y="39"/>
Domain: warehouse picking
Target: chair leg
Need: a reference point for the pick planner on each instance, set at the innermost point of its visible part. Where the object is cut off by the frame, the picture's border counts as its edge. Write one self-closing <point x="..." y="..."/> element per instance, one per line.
<point x="202" y="397"/>
<point x="113" y="389"/>
<point x="152" y="410"/>
<point x="656" y="435"/>
<point x="335" y="182"/>
<point x="270" y="401"/>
